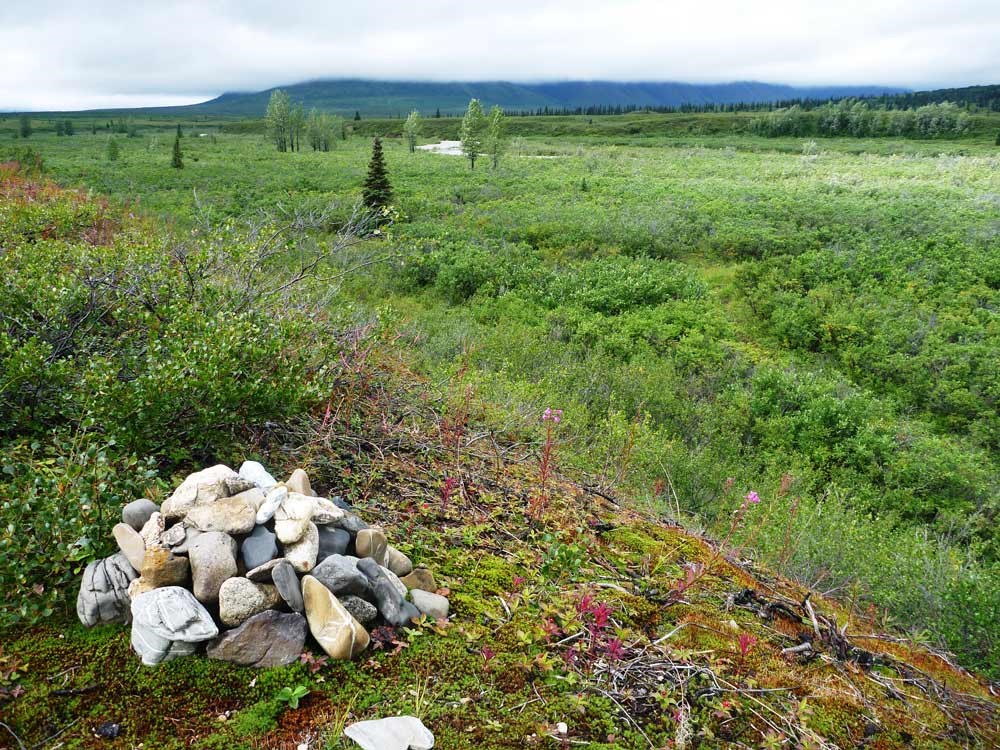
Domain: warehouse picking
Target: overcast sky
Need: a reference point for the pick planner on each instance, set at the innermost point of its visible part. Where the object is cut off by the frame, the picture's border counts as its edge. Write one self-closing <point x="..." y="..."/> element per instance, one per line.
<point x="61" y="54"/>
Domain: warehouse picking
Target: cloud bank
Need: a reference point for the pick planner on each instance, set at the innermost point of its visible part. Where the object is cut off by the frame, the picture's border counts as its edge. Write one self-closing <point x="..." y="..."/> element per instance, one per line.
<point x="107" y="53"/>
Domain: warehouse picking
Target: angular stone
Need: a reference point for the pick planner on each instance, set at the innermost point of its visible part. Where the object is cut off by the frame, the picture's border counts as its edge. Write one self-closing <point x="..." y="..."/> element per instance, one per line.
<point x="231" y="515"/>
<point x="371" y="543"/>
<point x="421" y="578"/>
<point x="302" y="554"/>
<point x="341" y="503"/>
<point x="138" y="587"/>
<point x="103" y="593"/>
<point x="332" y="542"/>
<point x="241" y="598"/>
<point x="137" y="512"/>
<point x="340" y="574"/>
<point x="161" y="567"/>
<point x="130" y="543"/>
<point x="325" y="512"/>
<point x="268" y="639"/>
<point x="292" y="518"/>
<point x="189" y="536"/>
<point x="391" y="604"/>
<point x="299" y="482"/>
<point x="169" y="622"/>
<point x="259" y="547"/>
<point x="238" y="486"/>
<point x="340" y="635"/>
<point x="397" y="562"/>
<point x="272" y="501"/>
<point x="434" y="606"/>
<point x="256" y="473"/>
<point x="253" y="497"/>
<point x="394" y="733"/>
<point x="213" y="560"/>
<point x="363" y="611"/>
<point x="286" y="581"/>
<point x="351" y="524"/>
<point x="205" y="486"/>
<point x="152" y="531"/>
<point x="174" y="536"/>
<point x="262" y="573"/>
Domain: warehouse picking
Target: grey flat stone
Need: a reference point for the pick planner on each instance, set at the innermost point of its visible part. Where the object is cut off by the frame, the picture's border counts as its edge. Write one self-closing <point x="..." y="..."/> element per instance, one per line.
<point x="268" y="639"/>
<point x="340" y="574"/>
<point x="391" y="604"/>
<point x="434" y="606"/>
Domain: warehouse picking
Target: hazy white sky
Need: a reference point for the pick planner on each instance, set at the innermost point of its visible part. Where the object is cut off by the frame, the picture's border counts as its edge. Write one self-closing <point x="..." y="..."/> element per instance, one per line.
<point x="66" y="54"/>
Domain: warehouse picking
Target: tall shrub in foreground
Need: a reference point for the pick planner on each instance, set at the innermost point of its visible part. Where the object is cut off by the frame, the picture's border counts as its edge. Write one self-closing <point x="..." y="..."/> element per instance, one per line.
<point x="496" y="135"/>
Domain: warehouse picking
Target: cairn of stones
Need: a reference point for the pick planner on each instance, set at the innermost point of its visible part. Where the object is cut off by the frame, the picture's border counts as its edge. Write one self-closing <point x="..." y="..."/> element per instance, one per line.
<point x="250" y="566"/>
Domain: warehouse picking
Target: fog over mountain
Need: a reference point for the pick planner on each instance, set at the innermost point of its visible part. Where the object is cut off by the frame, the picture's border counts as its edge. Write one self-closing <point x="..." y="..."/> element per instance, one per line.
<point x="58" y="55"/>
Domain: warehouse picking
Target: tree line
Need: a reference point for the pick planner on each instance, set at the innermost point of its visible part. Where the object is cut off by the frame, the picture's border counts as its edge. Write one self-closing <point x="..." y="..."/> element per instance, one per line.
<point x="857" y="118"/>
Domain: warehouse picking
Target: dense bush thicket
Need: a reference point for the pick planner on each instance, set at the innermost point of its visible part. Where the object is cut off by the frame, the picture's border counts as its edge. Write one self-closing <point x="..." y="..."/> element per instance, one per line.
<point x="859" y="119"/>
<point x="119" y="345"/>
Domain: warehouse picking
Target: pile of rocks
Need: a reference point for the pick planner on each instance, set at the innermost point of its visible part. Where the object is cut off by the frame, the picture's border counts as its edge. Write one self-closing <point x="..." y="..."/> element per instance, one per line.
<point x="250" y="565"/>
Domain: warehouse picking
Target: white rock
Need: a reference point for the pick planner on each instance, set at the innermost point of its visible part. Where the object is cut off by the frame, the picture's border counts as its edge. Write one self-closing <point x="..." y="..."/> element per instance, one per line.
<point x="256" y="473"/>
<point x="394" y="733"/>
<point x="275" y="497"/>
<point x="325" y="512"/>
<point x="302" y="554"/>
<point x="291" y="519"/>
<point x="203" y="486"/>
<point x="433" y="605"/>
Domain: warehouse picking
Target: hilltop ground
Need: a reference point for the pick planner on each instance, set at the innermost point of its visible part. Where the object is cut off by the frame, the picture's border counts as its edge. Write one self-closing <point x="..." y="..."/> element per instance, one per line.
<point x="714" y="314"/>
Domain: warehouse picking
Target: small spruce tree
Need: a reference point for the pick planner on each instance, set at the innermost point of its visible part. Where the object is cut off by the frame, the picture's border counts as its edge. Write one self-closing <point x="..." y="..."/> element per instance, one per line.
<point x="177" y="162"/>
<point x="378" y="191"/>
<point x="180" y="133"/>
<point x="113" y="150"/>
<point x="357" y="115"/>
<point x="998" y="138"/>
<point x="24" y="126"/>
<point x="68" y="127"/>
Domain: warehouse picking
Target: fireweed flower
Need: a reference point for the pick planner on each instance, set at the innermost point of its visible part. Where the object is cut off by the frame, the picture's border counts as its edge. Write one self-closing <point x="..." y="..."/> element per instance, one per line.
<point x="752" y="497"/>
<point x="554" y="414"/>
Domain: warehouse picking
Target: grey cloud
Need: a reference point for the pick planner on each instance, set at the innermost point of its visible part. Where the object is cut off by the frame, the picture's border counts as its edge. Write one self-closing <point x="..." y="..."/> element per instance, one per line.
<point x="56" y="54"/>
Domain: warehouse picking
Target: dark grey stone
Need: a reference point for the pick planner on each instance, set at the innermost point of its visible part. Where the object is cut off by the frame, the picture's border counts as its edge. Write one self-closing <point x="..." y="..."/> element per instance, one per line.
<point x="268" y="639"/>
<point x="259" y="547"/>
<point x="137" y="512"/>
<point x="340" y="574"/>
<point x="351" y="524"/>
<point x="287" y="582"/>
<point x="361" y="610"/>
<point x="391" y="604"/>
<point x="332" y="542"/>
<point x="341" y="503"/>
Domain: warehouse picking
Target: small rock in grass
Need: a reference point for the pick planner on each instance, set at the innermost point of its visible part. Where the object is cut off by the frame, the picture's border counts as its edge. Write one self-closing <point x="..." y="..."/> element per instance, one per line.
<point x="137" y="512"/>
<point x="340" y="635"/>
<point x="433" y="605"/>
<point x="397" y="562"/>
<point x="394" y="733"/>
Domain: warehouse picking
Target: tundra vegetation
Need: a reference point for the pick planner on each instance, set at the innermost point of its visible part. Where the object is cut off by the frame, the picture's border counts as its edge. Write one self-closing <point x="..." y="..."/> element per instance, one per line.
<point x="718" y="316"/>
